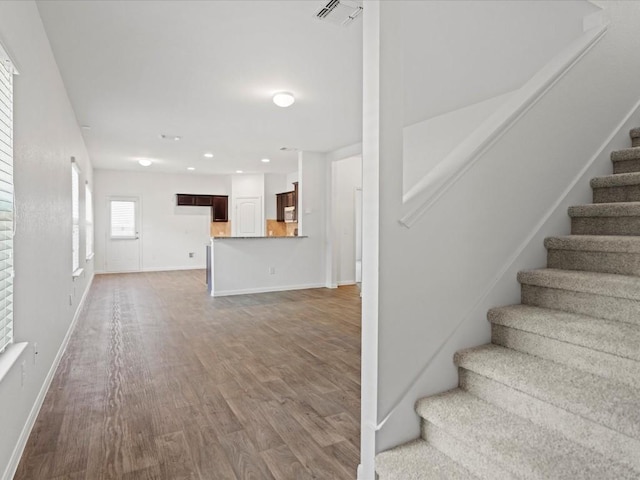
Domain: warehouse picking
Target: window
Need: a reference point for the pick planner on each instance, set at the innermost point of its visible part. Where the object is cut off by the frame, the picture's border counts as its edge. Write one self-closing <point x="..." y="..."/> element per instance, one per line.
<point x="88" y="207"/>
<point x="123" y="219"/>
<point x="75" y="215"/>
<point x="7" y="227"/>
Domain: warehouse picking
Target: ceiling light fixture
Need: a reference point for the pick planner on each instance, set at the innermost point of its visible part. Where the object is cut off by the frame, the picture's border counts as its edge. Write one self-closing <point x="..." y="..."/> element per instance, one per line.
<point x="191" y="168"/>
<point x="208" y="155"/>
<point x="283" y="99"/>
<point x="238" y="171"/>
<point x="145" y="162"/>
<point x="265" y="160"/>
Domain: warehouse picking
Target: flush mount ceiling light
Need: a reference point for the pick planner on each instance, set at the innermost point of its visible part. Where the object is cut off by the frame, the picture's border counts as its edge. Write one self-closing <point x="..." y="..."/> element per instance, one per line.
<point x="191" y="168"/>
<point x="238" y="171"/>
<point x="208" y="155"/>
<point x="145" y="162"/>
<point x="283" y="99"/>
<point x="265" y="160"/>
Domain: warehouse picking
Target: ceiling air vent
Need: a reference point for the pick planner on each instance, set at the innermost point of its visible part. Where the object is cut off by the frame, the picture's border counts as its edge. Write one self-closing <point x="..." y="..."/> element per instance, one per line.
<point x="340" y="12"/>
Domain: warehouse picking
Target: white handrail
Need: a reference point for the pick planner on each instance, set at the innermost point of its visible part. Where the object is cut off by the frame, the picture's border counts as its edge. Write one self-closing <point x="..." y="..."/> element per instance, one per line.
<point x="445" y="174"/>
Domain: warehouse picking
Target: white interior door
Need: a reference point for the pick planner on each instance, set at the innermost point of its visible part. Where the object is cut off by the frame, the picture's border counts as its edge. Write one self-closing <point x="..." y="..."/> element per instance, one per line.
<point x="248" y="221"/>
<point x="123" y="235"/>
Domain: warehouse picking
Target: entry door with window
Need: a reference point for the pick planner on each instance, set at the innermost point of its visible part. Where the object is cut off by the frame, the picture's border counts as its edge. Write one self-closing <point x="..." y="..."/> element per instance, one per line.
<point x="123" y="235"/>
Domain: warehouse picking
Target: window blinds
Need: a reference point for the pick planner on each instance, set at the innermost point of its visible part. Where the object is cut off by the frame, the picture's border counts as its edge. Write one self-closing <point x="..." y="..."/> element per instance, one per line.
<point x="123" y="219"/>
<point x="88" y="206"/>
<point x="6" y="203"/>
<point x="75" y="215"/>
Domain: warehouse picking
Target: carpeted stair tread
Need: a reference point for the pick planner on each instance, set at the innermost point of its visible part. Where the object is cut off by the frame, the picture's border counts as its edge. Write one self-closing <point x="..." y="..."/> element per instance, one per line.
<point x="634" y="133"/>
<point x="626" y="154"/>
<point x="516" y="444"/>
<point x="608" y="336"/>
<point x="616" y="209"/>
<point x="616" y="180"/>
<point x="598" y="399"/>
<point x="417" y="460"/>
<point x="595" y="243"/>
<point x="607" y="284"/>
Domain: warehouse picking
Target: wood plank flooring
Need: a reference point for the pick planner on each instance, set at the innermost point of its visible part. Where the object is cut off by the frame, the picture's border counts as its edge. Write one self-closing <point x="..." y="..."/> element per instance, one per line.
<point x="160" y="381"/>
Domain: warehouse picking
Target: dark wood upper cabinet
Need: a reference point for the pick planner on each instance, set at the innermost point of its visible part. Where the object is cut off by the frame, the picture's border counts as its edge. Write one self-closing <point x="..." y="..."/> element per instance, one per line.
<point x="287" y="199"/>
<point x="218" y="203"/>
<point x="204" y="200"/>
<point x="220" y="210"/>
<point x="185" y="199"/>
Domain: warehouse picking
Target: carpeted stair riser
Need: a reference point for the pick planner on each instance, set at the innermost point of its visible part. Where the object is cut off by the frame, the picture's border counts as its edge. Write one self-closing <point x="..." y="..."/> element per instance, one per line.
<point x="610" y="366"/>
<point x="605" y="226"/>
<point x="490" y="440"/>
<point x="594" y="398"/>
<point x="605" y="262"/>
<point x="626" y="160"/>
<point x="606" y="254"/>
<point x="589" y="434"/>
<point x="611" y="308"/>
<point x="627" y="193"/>
<point x="635" y="137"/>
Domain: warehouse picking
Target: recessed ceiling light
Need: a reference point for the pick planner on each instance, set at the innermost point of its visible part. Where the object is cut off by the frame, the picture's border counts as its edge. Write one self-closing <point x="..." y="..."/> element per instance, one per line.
<point x="191" y="168"/>
<point x="283" y="99"/>
<point x="238" y="171"/>
<point x="175" y="138"/>
<point x="265" y="160"/>
<point x="145" y="162"/>
<point x="208" y="155"/>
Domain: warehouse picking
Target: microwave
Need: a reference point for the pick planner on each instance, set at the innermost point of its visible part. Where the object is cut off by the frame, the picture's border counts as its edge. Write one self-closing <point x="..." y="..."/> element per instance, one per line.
<point x="289" y="214"/>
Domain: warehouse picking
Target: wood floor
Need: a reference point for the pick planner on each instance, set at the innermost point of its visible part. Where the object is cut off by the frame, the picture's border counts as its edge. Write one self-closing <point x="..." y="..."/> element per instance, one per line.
<point x="161" y="381"/>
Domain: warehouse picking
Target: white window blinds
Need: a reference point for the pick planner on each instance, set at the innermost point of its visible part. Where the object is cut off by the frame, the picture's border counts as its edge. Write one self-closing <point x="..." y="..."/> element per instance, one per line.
<point x="123" y="219"/>
<point x="88" y="205"/>
<point x="6" y="203"/>
<point x="75" y="215"/>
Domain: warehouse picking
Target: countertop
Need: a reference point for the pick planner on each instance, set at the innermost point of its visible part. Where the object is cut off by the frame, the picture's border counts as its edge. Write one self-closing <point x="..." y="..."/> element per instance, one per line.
<point x="263" y="237"/>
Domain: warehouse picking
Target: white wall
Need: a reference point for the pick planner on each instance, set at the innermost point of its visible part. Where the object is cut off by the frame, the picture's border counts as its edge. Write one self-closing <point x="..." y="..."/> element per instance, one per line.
<point x="348" y="178"/>
<point x="428" y="142"/>
<point x="168" y="232"/>
<point x="46" y="135"/>
<point x="242" y="265"/>
<point x="273" y="183"/>
<point x="461" y="258"/>
<point x="455" y="53"/>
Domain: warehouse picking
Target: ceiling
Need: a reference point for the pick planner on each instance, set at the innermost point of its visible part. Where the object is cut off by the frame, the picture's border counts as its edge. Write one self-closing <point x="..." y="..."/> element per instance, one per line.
<point x="206" y="71"/>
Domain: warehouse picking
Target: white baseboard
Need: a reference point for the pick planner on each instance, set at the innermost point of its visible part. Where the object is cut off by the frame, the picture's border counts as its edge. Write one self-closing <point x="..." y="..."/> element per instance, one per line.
<point x="154" y="269"/>
<point x="35" y="410"/>
<point x="244" y="291"/>
<point x="346" y="282"/>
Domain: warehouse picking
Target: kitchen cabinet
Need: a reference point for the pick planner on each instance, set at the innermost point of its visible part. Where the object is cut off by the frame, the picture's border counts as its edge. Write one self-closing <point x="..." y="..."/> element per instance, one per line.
<point x="219" y="204"/>
<point x="220" y="208"/>
<point x="185" y="199"/>
<point x="287" y="199"/>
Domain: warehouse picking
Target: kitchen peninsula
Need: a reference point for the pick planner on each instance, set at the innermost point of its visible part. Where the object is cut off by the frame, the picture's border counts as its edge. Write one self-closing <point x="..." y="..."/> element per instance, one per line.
<point x="238" y="265"/>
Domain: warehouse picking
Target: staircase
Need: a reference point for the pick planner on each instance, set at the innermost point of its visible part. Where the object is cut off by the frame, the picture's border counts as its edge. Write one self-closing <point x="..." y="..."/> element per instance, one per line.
<point x="556" y="394"/>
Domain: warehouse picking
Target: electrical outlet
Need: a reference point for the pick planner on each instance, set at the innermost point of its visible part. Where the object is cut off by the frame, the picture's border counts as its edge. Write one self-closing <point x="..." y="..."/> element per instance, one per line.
<point x="272" y="270"/>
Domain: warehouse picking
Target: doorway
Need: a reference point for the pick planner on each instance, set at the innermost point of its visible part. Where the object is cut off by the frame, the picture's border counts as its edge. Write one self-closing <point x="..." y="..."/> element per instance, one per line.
<point x="123" y="234"/>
